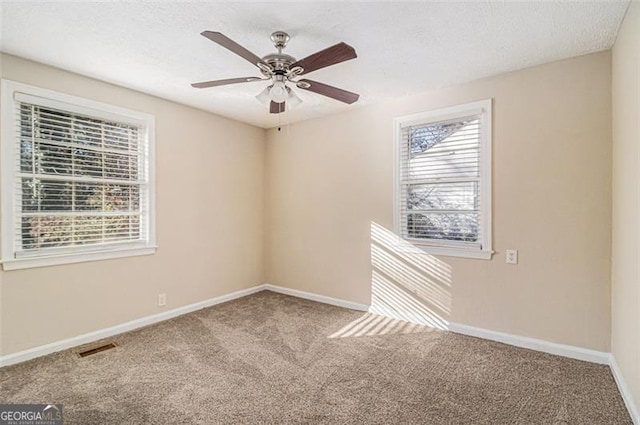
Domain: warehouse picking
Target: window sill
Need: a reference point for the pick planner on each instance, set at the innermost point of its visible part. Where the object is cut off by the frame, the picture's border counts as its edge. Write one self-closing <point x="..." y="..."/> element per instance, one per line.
<point x="54" y="260"/>
<point x="456" y="252"/>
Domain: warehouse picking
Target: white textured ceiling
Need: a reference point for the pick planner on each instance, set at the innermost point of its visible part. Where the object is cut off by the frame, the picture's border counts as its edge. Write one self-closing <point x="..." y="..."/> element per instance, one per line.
<point x="403" y="47"/>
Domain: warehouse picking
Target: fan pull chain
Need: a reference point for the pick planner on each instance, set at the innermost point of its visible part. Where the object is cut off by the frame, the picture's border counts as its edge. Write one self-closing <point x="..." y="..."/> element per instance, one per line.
<point x="287" y="118"/>
<point x="279" y="122"/>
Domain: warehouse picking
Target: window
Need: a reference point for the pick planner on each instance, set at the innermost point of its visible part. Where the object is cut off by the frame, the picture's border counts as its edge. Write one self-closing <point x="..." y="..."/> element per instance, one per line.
<point x="77" y="179"/>
<point x="443" y="180"/>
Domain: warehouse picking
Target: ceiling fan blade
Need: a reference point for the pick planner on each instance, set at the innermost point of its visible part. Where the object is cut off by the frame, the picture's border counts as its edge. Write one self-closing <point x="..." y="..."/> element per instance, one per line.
<point x="329" y="91"/>
<point x="276" y="108"/>
<point x="215" y="83"/>
<point x="231" y="45"/>
<point x="330" y="56"/>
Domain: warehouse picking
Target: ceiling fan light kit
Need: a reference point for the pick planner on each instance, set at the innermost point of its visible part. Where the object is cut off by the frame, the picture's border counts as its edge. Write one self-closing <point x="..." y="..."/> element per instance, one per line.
<point x="263" y="96"/>
<point x="292" y="99"/>
<point x="280" y="69"/>
<point x="278" y="92"/>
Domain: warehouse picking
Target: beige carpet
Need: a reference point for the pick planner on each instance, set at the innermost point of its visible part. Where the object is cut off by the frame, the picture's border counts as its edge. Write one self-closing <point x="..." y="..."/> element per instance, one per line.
<point x="273" y="359"/>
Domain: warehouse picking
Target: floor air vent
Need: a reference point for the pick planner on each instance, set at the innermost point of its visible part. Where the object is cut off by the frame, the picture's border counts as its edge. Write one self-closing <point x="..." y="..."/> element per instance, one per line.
<point x="96" y="350"/>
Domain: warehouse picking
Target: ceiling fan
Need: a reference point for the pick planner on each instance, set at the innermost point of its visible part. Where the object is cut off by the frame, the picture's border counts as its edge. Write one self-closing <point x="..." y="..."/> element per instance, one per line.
<point x="280" y="69"/>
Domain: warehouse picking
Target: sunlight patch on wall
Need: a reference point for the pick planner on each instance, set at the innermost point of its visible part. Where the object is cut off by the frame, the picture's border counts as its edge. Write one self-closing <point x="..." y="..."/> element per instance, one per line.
<point x="407" y="283"/>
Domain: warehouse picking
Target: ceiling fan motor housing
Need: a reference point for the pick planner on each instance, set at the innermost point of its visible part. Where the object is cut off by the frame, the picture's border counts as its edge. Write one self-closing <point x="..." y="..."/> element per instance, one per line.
<point x="279" y="62"/>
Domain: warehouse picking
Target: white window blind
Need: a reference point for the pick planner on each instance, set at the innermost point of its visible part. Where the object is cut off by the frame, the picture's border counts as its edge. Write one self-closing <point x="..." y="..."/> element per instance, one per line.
<point x="80" y="180"/>
<point x="440" y="180"/>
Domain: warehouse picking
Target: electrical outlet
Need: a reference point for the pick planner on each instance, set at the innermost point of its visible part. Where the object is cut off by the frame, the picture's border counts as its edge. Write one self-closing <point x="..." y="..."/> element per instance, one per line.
<point x="162" y="300"/>
<point x="512" y="256"/>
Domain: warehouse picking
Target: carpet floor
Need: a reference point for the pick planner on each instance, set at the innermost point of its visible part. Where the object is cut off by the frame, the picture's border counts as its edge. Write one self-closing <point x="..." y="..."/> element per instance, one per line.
<point x="273" y="359"/>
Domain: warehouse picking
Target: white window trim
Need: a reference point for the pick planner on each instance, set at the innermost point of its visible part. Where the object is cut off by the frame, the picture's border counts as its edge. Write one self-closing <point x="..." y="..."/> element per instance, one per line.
<point x="76" y="104"/>
<point x="460" y="111"/>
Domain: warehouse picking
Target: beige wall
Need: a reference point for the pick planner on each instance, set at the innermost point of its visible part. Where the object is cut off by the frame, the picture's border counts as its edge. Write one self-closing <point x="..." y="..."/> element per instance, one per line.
<point x="209" y="224"/>
<point x="625" y="338"/>
<point x="329" y="212"/>
<point x="330" y="208"/>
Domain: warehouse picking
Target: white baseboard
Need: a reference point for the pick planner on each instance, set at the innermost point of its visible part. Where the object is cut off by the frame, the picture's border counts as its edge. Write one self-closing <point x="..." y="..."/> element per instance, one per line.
<point x="634" y="412"/>
<point x="579" y="353"/>
<point x="516" y="340"/>
<point x="315" y="297"/>
<point x="53" y="347"/>
<point x="570" y="351"/>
